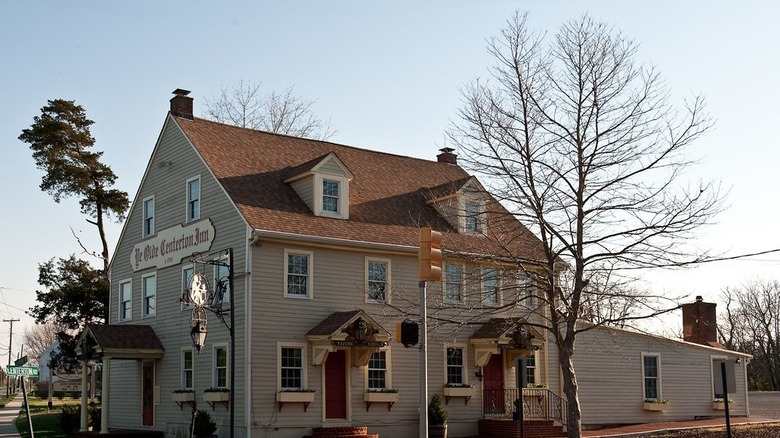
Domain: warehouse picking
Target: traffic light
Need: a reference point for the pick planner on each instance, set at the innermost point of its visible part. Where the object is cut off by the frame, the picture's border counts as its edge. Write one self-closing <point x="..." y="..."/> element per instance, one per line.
<point x="408" y="333"/>
<point x="429" y="255"/>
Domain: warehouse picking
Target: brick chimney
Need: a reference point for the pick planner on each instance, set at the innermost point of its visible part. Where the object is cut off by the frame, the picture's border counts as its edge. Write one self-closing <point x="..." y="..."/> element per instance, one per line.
<point x="700" y="323"/>
<point x="181" y="103"/>
<point x="446" y="156"/>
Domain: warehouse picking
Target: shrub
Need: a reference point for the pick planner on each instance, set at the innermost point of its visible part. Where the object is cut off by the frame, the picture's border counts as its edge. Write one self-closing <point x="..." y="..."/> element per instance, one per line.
<point x="204" y="425"/>
<point x="70" y="416"/>
<point x="436" y="413"/>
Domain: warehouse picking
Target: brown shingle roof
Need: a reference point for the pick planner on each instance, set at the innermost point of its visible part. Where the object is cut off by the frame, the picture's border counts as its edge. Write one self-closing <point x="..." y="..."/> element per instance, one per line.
<point x="498" y="327"/>
<point x="388" y="194"/>
<point x="332" y="323"/>
<point x="125" y="341"/>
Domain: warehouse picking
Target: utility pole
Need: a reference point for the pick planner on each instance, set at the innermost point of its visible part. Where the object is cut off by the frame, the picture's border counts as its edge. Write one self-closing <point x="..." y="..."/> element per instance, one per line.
<point x="10" y="341"/>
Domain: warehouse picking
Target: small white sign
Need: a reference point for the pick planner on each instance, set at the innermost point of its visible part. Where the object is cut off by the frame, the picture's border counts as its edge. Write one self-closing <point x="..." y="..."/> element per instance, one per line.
<point x="171" y="245"/>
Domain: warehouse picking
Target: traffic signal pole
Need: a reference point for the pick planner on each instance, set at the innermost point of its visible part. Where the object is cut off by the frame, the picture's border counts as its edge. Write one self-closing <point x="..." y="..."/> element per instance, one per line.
<point x="423" y="362"/>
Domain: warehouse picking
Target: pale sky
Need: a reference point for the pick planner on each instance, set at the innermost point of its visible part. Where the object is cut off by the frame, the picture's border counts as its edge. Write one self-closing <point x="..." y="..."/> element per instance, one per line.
<point x="387" y="76"/>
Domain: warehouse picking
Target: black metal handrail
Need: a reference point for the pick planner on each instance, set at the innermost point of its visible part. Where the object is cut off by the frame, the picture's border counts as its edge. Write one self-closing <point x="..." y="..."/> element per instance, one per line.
<point x="537" y="403"/>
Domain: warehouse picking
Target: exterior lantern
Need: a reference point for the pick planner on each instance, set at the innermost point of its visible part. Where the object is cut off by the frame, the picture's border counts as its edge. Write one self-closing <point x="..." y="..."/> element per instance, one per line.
<point x="198" y="334"/>
<point x="522" y="338"/>
<point x="360" y="330"/>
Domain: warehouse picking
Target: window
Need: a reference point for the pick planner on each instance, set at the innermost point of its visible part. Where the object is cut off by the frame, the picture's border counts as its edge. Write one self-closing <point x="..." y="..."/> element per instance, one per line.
<point x="193" y="199"/>
<point x="471" y="217"/>
<point x="526" y="289"/>
<point x="717" y="377"/>
<point x="222" y="280"/>
<point x="126" y="300"/>
<point x="291" y="369"/>
<point x="377" y="371"/>
<point x="455" y="369"/>
<point x="330" y="196"/>
<point x="148" y="226"/>
<point x="490" y="287"/>
<point x="453" y="283"/>
<point x="377" y="279"/>
<point x="186" y="369"/>
<point x="220" y="367"/>
<point x="186" y="277"/>
<point x="149" y="287"/>
<point x="530" y="370"/>
<point x="651" y="376"/>
<point x="298" y="274"/>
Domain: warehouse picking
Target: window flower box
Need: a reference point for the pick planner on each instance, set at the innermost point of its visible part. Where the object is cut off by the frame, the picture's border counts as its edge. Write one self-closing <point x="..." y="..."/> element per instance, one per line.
<point x="183" y="396"/>
<point x="212" y="396"/>
<point x="719" y="405"/>
<point x="449" y="391"/>
<point x="389" y="396"/>
<point x="295" y="396"/>
<point x="656" y="405"/>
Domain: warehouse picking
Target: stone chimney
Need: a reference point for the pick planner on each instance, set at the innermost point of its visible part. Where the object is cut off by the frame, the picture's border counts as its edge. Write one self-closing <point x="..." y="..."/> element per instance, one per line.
<point x="181" y="104"/>
<point x="700" y="323"/>
<point x="446" y="156"/>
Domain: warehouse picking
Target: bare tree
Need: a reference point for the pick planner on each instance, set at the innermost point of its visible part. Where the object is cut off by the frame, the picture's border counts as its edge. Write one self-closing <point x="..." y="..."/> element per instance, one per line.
<point x="40" y="337"/>
<point x="244" y="105"/>
<point x="582" y="145"/>
<point x="751" y="323"/>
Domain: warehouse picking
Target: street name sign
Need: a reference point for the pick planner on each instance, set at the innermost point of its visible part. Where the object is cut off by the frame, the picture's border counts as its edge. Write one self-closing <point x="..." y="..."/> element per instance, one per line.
<point x="21" y="361"/>
<point x="22" y="371"/>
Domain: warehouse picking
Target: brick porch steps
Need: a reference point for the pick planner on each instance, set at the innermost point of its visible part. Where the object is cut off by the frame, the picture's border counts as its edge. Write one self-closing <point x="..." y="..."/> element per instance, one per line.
<point x="341" y="432"/>
<point x="509" y="429"/>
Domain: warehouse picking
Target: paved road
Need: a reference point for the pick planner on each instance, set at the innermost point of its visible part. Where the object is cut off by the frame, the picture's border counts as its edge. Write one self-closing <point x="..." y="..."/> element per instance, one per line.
<point x="8" y="416"/>
<point x="765" y="404"/>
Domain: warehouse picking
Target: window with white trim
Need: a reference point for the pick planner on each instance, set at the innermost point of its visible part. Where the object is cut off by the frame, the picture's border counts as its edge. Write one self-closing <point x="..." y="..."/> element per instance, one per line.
<point x="530" y="369"/>
<point x="526" y="289"/>
<point x="377" y="280"/>
<point x="148" y="217"/>
<point x="298" y="273"/>
<point x="453" y="283"/>
<point x="490" y="287"/>
<point x="187" y="369"/>
<point x="193" y="199"/>
<point x="651" y="376"/>
<point x="126" y="300"/>
<point x="377" y="372"/>
<point x="330" y="196"/>
<point x="220" y="367"/>
<point x="149" y="295"/>
<point x="456" y="369"/>
<point x="291" y="367"/>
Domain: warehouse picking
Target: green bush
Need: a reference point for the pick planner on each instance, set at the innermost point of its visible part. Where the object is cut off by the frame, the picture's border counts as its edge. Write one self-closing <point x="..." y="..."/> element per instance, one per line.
<point x="436" y="413"/>
<point x="70" y="416"/>
<point x="204" y="425"/>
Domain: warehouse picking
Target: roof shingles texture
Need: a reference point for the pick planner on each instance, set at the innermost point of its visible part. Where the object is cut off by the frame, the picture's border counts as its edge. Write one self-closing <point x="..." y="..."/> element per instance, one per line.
<point x="127" y="336"/>
<point x="388" y="194"/>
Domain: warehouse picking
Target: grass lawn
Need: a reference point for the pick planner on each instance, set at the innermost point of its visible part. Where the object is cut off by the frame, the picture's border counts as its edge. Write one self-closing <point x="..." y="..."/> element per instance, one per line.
<point x="46" y="423"/>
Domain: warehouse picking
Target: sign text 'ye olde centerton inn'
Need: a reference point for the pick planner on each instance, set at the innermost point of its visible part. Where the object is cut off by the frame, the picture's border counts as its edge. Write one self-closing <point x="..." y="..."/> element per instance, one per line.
<point x="171" y="245"/>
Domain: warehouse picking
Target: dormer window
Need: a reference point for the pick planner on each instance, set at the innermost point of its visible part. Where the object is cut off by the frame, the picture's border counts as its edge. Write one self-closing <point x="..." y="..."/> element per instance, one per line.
<point x="330" y="196"/>
<point x="471" y="217"/>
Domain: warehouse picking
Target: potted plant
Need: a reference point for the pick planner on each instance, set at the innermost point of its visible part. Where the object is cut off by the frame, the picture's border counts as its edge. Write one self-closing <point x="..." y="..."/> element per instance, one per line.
<point x="437" y="418"/>
<point x="203" y="426"/>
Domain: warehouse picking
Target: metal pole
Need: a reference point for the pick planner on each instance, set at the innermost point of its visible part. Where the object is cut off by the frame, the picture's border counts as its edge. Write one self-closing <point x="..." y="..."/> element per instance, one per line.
<point x="423" y="363"/>
<point x="27" y="406"/>
<point x="10" y="341"/>
<point x="725" y="398"/>
<point x="521" y="382"/>
<point x="232" y="330"/>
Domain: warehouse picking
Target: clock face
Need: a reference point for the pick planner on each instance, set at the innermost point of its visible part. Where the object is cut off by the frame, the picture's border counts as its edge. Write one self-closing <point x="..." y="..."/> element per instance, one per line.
<point x="199" y="289"/>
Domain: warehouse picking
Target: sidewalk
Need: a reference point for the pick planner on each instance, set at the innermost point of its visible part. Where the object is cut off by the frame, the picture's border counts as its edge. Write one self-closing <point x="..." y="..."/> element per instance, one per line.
<point x="645" y="429"/>
<point x="8" y="416"/>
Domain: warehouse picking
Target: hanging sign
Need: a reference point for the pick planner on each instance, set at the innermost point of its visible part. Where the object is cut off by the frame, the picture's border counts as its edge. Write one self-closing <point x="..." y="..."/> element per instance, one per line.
<point x="171" y="245"/>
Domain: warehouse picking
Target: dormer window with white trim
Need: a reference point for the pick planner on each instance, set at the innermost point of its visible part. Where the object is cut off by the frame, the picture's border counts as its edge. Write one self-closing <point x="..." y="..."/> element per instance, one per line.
<point x="330" y="196"/>
<point x="471" y="217"/>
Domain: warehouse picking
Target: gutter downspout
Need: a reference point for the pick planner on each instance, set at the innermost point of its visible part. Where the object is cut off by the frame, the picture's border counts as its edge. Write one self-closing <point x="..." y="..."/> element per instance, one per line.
<point x="248" y="329"/>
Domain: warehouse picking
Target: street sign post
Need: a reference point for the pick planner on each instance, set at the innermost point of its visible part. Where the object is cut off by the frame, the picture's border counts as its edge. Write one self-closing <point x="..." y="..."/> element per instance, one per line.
<point x="22" y="371"/>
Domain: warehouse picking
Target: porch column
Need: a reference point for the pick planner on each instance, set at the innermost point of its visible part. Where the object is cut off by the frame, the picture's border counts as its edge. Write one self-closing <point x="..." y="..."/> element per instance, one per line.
<point x="84" y="392"/>
<point x="104" y="397"/>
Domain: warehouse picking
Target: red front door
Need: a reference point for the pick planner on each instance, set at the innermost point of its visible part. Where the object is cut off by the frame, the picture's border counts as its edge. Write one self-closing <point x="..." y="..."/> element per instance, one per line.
<point x="336" y="385"/>
<point x="147" y="393"/>
<point x="493" y="384"/>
